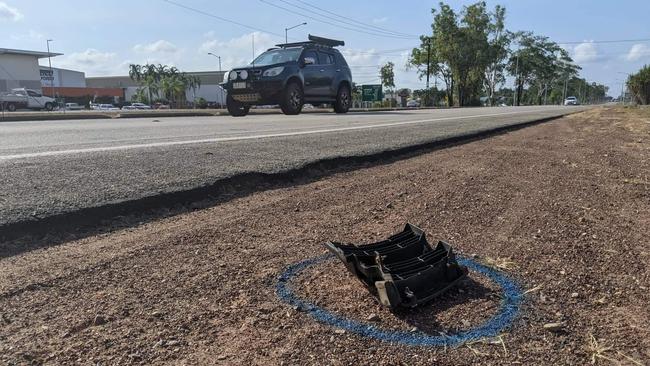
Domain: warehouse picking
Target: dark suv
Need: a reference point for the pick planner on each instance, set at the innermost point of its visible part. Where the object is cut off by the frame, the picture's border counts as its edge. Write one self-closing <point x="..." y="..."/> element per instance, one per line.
<point x="291" y="75"/>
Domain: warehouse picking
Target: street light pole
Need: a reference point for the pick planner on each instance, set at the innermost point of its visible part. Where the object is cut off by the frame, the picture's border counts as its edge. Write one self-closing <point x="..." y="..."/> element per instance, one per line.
<point x="219" y="57"/>
<point x="49" y="61"/>
<point x="623" y="86"/>
<point x="286" y="31"/>
<point x="220" y="93"/>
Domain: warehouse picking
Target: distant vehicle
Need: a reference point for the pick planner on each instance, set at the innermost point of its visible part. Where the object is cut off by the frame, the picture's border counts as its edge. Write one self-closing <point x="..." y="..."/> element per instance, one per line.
<point x="291" y="75"/>
<point x="571" y="101"/>
<point x="21" y="98"/>
<point x="136" y="106"/>
<point x="160" y="106"/>
<point x="73" y="107"/>
<point x="107" y="107"/>
<point x="412" y="104"/>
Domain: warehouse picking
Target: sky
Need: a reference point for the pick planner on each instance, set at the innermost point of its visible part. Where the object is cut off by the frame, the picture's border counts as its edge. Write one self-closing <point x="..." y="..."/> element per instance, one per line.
<point x="103" y="37"/>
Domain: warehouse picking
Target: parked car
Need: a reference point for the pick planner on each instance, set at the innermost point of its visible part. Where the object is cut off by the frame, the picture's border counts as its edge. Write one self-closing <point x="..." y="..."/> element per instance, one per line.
<point x="413" y="104"/>
<point x="571" y="101"/>
<point x="160" y="106"/>
<point x="107" y="107"/>
<point x="291" y="75"/>
<point x="21" y="98"/>
<point x="73" y="107"/>
<point x="136" y="106"/>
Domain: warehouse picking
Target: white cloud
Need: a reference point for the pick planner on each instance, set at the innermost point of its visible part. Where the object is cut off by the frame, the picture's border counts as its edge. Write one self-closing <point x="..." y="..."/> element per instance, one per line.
<point x="586" y="52"/>
<point x="238" y="51"/>
<point x="638" y="51"/>
<point x="160" y="46"/>
<point x="380" y="20"/>
<point x="31" y="35"/>
<point x="90" y="61"/>
<point x="7" y="13"/>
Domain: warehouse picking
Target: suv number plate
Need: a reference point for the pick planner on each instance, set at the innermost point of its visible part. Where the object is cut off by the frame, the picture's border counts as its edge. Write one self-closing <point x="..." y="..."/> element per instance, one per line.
<point x="240" y="85"/>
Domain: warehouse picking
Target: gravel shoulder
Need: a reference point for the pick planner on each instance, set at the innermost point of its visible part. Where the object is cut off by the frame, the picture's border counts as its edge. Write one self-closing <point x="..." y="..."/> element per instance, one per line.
<point x="563" y="208"/>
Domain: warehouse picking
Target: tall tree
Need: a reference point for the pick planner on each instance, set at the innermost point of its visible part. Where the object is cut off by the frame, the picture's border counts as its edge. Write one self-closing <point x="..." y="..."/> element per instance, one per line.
<point x="498" y="49"/>
<point x="387" y="75"/>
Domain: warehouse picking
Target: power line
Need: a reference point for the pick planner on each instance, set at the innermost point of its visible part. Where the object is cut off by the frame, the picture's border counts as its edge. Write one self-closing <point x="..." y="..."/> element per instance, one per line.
<point x="336" y="17"/>
<point x="222" y="19"/>
<point x="328" y="22"/>
<point x="609" y="41"/>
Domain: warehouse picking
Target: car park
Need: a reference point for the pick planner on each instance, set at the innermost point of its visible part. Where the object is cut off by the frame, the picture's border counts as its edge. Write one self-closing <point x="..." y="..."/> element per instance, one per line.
<point x="291" y="75"/>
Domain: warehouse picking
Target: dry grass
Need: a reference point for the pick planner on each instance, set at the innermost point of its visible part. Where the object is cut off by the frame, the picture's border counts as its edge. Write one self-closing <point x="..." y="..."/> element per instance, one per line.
<point x="600" y="351"/>
<point x="503" y="264"/>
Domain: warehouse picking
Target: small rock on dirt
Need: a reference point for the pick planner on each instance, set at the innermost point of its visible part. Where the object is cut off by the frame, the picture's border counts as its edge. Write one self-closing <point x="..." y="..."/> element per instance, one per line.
<point x="555" y="327"/>
<point x="373" y="318"/>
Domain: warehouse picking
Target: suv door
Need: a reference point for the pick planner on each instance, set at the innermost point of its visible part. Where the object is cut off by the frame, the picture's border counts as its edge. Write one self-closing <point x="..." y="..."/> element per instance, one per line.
<point x="311" y="74"/>
<point x="328" y="73"/>
<point x="34" y="99"/>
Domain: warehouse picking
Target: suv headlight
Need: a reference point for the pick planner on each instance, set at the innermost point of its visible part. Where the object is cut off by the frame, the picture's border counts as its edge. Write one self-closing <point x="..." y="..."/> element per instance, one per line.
<point x="226" y="76"/>
<point x="232" y="75"/>
<point x="274" y="71"/>
<point x="243" y="74"/>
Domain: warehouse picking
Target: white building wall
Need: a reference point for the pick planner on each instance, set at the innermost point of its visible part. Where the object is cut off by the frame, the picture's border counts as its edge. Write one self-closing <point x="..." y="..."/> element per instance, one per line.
<point x="19" y="71"/>
<point x="62" y="78"/>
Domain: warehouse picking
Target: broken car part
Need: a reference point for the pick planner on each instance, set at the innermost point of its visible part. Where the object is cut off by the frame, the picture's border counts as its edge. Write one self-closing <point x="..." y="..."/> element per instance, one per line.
<point x="403" y="270"/>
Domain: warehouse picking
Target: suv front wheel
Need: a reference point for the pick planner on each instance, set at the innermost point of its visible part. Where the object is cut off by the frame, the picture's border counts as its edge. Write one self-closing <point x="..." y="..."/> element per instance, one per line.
<point x="343" y="100"/>
<point x="235" y="108"/>
<point x="292" y="100"/>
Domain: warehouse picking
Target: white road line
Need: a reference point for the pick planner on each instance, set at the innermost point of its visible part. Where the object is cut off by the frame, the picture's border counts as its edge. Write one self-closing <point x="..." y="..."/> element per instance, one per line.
<point x="252" y="137"/>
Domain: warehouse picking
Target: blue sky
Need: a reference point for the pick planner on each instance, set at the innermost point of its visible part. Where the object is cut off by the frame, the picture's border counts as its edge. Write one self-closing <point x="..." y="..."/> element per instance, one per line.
<point x="103" y="37"/>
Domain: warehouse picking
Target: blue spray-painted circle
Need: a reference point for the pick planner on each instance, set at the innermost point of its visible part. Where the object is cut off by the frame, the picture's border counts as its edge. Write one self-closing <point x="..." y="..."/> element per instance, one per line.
<point x="511" y="300"/>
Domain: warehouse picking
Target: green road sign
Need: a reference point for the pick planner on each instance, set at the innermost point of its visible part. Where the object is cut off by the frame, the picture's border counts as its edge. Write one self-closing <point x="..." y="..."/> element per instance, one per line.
<point x="371" y="93"/>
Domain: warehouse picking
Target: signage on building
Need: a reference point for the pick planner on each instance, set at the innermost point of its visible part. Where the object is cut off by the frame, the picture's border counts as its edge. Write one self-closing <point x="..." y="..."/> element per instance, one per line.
<point x="371" y="93"/>
<point x="49" y="77"/>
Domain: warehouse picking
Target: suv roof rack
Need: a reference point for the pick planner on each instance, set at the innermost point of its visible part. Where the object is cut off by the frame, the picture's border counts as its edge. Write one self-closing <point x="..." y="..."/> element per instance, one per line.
<point x="316" y="41"/>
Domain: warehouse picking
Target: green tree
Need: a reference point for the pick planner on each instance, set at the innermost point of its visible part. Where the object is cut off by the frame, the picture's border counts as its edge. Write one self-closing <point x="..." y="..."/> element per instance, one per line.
<point x="639" y="85"/>
<point x="498" y="49"/>
<point x="387" y="75"/>
<point x="539" y="63"/>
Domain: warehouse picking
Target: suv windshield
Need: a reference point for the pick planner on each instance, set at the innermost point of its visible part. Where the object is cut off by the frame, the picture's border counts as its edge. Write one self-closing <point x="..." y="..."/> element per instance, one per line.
<point x="277" y="56"/>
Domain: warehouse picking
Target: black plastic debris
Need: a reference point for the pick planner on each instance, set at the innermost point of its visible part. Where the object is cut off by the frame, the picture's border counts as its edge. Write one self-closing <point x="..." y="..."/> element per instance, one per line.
<point x="403" y="270"/>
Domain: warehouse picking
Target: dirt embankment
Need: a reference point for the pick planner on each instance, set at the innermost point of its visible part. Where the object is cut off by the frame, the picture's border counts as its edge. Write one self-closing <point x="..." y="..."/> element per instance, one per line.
<point x="563" y="208"/>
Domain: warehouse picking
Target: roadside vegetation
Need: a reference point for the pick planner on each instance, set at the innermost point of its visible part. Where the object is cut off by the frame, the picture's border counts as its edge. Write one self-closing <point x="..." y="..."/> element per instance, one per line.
<point x="472" y="53"/>
<point x="639" y="85"/>
<point x="162" y="83"/>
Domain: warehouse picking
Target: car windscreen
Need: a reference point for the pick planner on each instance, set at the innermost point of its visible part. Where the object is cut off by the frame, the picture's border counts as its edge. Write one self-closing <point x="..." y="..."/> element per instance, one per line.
<point x="277" y="56"/>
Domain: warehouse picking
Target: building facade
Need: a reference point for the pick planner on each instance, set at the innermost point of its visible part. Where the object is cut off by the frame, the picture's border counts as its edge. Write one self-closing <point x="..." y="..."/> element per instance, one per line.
<point x="20" y="69"/>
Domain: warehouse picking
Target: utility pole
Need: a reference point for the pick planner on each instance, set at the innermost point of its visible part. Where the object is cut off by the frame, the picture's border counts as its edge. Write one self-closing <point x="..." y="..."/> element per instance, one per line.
<point x="566" y="82"/>
<point x="286" y="31"/>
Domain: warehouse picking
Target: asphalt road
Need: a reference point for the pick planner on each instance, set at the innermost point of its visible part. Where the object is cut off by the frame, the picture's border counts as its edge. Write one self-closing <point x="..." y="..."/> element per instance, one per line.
<point x="53" y="167"/>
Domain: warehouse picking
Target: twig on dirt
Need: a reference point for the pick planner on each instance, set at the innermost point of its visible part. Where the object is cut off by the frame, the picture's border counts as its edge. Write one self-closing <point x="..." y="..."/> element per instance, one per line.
<point x="476" y="352"/>
<point x="503" y="264"/>
<point x="536" y="288"/>
<point x="630" y="358"/>
<point x="498" y="340"/>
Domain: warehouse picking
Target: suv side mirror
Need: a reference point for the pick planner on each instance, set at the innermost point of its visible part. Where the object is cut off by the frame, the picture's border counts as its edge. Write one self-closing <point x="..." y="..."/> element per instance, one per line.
<point x="308" y="61"/>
